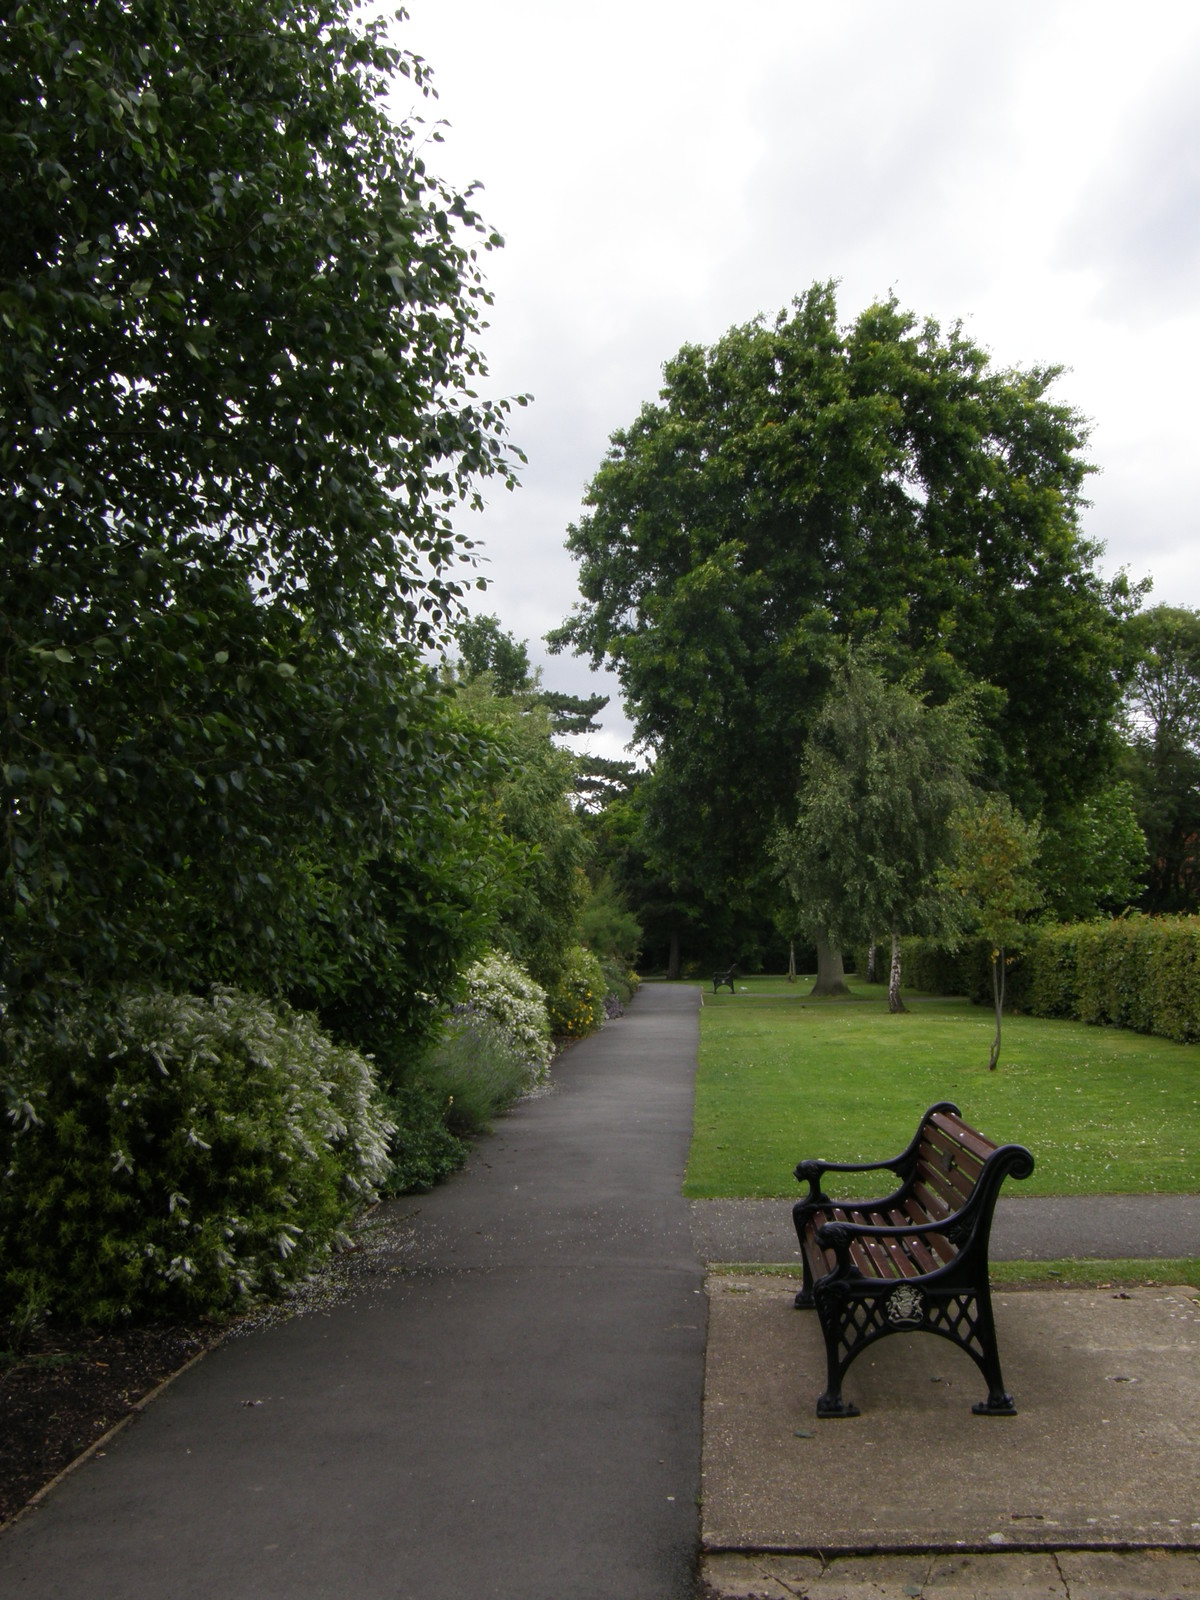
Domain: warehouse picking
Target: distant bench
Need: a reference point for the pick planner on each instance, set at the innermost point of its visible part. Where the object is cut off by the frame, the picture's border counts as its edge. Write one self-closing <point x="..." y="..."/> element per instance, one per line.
<point x="720" y="978"/>
<point x="916" y="1261"/>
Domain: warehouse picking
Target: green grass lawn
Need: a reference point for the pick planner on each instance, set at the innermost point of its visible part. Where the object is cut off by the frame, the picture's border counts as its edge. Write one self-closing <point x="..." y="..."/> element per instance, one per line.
<point x="783" y="1077"/>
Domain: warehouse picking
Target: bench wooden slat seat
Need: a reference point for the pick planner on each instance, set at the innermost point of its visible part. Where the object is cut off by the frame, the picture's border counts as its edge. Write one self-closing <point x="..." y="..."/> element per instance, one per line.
<point x="913" y="1261"/>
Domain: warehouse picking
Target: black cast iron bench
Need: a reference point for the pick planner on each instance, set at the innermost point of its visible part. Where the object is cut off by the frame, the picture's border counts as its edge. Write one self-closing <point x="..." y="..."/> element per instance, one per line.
<point x="725" y="977"/>
<point x="915" y="1261"/>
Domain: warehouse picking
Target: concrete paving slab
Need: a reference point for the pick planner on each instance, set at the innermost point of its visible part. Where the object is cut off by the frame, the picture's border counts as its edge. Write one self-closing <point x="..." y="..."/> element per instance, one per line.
<point x="1105" y="1450"/>
<point x="1017" y="1575"/>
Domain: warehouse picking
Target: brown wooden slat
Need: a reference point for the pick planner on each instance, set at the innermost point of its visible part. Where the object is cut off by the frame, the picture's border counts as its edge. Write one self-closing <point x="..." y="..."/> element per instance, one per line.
<point x="939" y="1148"/>
<point x="903" y="1264"/>
<point x="953" y="1195"/>
<point x="937" y="1243"/>
<point x="819" y="1261"/>
<point x="861" y="1259"/>
<point x="954" y="1186"/>
<point x="914" y="1247"/>
<point x="965" y="1135"/>
<point x="887" y="1252"/>
<point x="936" y="1206"/>
<point x="933" y="1183"/>
<point x="877" y="1256"/>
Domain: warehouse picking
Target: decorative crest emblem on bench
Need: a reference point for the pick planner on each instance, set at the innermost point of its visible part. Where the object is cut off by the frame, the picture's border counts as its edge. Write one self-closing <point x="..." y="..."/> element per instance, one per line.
<point x="906" y="1307"/>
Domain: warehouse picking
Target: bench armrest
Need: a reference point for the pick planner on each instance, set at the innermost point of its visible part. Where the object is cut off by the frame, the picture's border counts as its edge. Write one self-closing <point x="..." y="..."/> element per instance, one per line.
<point x="811" y="1172"/>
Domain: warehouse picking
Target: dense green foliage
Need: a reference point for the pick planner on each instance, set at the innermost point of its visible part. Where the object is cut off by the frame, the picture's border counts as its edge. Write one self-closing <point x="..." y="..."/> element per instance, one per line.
<point x="239" y="409"/>
<point x="576" y="998"/>
<point x="1134" y="972"/>
<point x="802" y="484"/>
<point x="236" y="415"/>
<point x="173" y="1156"/>
<point x="1104" y="1111"/>
<point x="881" y="780"/>
<point x="424" y="1150"/>
<point x="1163" y="758"/>
<point x="543" y="883"/>
<point x="1092" y="860"/>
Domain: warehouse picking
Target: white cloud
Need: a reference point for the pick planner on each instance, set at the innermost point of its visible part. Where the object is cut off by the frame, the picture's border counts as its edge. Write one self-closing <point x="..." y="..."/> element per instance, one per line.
<point x="662" y="170"/>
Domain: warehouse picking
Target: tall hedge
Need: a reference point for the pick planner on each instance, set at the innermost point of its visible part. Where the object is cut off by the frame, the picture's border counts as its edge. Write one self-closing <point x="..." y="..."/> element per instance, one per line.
<point x="1134" y="972"/>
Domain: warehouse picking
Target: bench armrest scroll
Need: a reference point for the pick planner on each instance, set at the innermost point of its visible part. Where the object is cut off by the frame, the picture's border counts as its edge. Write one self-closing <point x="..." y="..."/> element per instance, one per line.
<point x="811" y="1172"/>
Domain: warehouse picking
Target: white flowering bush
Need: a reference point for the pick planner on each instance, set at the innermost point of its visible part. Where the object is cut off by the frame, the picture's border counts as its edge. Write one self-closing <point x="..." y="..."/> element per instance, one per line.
<point x="172" y="1155"/>
<point x="499" y="989"/>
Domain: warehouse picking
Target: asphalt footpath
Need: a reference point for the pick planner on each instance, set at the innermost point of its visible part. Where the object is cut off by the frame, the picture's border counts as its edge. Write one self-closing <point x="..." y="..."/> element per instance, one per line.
<point x="513" y="1412"/>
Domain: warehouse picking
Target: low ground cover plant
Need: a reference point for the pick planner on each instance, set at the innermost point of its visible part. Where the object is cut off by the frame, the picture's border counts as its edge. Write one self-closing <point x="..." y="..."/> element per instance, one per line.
<point x="781" y="1076"/>
<point x="476" y="1072"/>
<point x="492" y="1047"/>
<point x="167" y="1155"/>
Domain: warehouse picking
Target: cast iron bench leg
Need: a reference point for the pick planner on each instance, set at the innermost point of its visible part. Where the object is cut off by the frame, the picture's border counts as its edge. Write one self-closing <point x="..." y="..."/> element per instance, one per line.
<point x="999" y="1402"/>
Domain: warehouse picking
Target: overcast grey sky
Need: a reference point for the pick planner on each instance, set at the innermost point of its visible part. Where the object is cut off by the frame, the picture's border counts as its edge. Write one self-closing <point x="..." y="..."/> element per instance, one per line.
<point x="666" y="169"/>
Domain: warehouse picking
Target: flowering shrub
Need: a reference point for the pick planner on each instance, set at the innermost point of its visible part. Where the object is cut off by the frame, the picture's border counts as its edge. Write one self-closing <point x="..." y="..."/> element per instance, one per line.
<point x="576" y="1003"/>
<point x="174" y="1154"/>
<point x="502" y="991"/>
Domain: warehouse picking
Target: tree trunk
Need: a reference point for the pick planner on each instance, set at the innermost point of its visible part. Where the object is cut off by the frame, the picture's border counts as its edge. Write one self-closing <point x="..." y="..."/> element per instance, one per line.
<point x="831" y="974"/>
<point x="895" y="1003"/>
<point x="673" y="964"/>
<point x="791" y="960"/>
<point x="871" y="975"/>
<point x="998" y="1001"/>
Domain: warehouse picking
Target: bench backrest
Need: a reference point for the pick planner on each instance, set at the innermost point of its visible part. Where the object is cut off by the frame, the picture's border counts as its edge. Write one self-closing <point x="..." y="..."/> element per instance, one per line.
<point x="950" y="1158"/>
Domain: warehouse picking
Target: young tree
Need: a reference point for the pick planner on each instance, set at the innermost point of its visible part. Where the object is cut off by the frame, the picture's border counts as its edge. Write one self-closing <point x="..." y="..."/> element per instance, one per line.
<point x="236" y="415"/>
<point x="801" y="484"/>
<point x="993" y="872"/>
<point x="882" y="777"/>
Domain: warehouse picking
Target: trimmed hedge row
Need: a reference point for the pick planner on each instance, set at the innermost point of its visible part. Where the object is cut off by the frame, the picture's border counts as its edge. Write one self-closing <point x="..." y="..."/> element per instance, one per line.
<point x="1135" y="972"/>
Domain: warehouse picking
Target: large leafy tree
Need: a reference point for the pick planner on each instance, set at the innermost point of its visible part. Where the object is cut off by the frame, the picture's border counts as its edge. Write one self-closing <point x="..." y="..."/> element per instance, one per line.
<point x="236" y="414"/>
<point x="801" y="484"/>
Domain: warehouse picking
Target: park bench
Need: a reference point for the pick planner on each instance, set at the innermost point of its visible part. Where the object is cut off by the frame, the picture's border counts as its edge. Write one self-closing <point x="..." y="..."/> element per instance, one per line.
<point x="724" y="977"/>
<point x="915" y="1261"/>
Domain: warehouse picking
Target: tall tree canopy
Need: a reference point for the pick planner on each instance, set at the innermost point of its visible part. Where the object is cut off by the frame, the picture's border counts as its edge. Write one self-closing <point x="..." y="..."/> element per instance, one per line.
<point x="237" y="410"/>
<point x="1164" y="758"/>
<point x="803" y="483"/>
